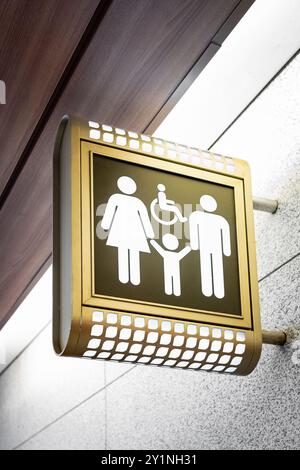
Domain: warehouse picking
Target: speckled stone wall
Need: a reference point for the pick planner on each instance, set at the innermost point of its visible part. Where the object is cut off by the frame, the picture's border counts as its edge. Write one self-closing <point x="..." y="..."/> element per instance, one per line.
<point x="53" y="403"/>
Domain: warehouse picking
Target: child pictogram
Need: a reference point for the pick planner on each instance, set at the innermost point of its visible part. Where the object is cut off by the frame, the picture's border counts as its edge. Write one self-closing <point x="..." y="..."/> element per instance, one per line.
<point x="172" y="260"/>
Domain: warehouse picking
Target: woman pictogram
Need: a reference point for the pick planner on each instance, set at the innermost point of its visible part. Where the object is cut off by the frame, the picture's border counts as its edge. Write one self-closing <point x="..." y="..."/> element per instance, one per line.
<point x="127" y="220"/>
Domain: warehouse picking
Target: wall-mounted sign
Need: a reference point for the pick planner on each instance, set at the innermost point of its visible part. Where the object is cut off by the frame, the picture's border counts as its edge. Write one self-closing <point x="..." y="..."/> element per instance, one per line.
<point x="154" y="253"/>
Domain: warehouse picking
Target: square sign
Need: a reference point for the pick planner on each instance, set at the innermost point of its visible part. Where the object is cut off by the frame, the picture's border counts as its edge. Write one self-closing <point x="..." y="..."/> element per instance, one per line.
<point x="148" y="232"/>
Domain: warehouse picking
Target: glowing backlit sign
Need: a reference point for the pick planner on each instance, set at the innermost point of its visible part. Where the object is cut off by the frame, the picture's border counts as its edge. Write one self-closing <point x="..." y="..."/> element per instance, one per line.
<point x="154" y="258"/>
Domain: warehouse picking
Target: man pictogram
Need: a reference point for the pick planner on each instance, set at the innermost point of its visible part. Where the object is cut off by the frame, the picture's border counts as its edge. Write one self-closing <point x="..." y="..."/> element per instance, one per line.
<point x="210" y="234"/>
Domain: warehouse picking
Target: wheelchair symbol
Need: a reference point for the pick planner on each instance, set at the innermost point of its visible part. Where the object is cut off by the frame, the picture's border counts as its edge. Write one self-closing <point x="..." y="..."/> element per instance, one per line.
<point x="166" y="205"/>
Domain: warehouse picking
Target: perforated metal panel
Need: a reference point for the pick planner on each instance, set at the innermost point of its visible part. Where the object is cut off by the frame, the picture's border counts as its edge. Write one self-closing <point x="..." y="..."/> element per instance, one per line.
<point x="161" y="148"/>
<point x="162" y="342"/>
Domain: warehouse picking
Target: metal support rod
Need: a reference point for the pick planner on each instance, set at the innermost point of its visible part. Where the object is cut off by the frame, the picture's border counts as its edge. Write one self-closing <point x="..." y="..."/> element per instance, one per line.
<point x="265" y="205"/>
<point x="274" y="337"/>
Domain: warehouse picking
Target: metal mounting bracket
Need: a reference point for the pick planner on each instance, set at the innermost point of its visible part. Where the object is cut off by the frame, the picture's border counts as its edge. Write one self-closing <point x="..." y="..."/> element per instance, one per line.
<point x="278" y="338"/>
<point x="265" y="205"/>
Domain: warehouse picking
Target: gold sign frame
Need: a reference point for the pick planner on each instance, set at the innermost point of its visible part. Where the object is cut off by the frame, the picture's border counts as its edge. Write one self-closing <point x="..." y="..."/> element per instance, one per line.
<point x="111" y="303"/>
<point x="75" y="300"/>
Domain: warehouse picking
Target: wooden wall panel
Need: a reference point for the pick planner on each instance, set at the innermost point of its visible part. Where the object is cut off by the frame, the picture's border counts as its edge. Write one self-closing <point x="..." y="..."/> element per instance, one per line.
<point x="141" y="52"/>
<point x="37" y="39"/>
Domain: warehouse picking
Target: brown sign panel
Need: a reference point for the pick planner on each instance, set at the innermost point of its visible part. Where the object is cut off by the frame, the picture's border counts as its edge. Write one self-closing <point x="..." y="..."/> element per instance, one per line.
<point x="147" y="233"/>
<point x="163" y="275"/>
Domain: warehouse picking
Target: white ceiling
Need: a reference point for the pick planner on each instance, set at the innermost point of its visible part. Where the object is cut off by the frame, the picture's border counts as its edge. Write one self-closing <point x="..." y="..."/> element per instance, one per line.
<point x="263" y="41"/>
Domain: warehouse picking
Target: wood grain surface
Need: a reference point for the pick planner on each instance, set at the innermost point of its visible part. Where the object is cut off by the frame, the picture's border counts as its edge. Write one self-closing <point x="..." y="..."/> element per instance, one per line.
<point x="37" y="39"/>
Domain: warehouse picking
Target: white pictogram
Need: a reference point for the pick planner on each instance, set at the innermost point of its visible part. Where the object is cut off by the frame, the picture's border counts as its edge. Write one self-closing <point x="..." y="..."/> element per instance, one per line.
<point x="167" y="205"/>
<point x="171" y="262"/>
<point x="127" y="220"/>
<point x="210" y="234"/>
